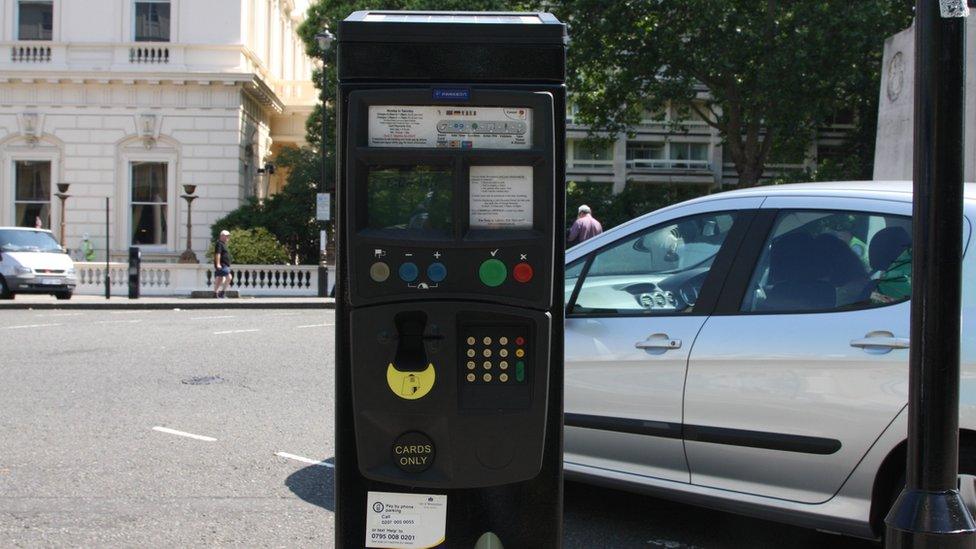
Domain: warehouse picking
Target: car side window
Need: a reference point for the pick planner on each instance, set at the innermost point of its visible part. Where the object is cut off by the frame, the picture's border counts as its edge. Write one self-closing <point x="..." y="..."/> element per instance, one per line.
<point x="573" y="271"/>
<point x="815" y="261"/>
<point x="657" y="271"/>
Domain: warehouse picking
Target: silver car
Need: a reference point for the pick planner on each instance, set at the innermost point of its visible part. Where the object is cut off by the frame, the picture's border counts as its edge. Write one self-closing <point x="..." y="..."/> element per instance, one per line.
<point x="748" y="351"/>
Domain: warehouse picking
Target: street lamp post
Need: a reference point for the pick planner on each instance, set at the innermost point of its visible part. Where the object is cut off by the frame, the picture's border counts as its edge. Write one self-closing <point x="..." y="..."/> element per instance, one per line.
<point x="188" y="256"/>
<point x="63" y="195"/>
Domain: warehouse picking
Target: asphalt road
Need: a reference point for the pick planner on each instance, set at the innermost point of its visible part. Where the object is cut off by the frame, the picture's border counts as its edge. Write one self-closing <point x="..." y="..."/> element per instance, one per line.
<point x="96" y="408"/>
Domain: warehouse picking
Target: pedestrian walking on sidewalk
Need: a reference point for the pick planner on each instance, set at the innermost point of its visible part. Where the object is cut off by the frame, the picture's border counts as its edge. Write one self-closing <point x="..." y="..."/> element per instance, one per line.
<point x="585" y="227"/>
<point x="222" y="262"/>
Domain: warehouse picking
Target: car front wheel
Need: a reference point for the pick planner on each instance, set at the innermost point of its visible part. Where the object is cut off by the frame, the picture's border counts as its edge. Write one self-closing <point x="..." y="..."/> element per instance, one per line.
<point x="5" y="292"/>
<point x="63" y="295"/>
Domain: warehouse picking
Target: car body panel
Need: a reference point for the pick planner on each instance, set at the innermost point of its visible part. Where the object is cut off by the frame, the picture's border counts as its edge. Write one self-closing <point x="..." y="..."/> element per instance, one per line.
<point x="50" y="272"/>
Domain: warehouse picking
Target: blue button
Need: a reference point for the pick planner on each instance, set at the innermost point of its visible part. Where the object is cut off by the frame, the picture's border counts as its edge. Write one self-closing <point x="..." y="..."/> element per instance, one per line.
<point x="436" y="272"/>
<point x="408" y="272"/>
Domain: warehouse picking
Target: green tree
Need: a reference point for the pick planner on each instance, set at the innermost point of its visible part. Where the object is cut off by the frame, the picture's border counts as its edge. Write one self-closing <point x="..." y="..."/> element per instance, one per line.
<point x="254" y="247"/>
<point x="764" y="73"/>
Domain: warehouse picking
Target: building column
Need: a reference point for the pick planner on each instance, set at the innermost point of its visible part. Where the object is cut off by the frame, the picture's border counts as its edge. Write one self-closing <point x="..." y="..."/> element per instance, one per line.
<point x="620" y="163"/>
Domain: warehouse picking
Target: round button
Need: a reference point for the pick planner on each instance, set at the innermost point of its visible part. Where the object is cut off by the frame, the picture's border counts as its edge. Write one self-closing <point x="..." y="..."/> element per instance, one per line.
<point x="503" y="378"/>
<point x="503" y="353"/>
<point x="503" y="340"/>
<point x="472" y="377"/>
<point x="492" y="273"/>
<point x="436" y="272"/>
<point x="487" y="353"/>
<point x="519" y="353"/>
<point x="379" y="271"/>
<point x="471" y="352"/>
<point x="487" y="365"/>
<point x="486" y="377"/>
<point x="471" y="340"/>
<point x="503" y="365"/>
<point x="408" y="272"/>
<point x="520" y="340"/>
<point x="522" y="272"/>
<point x="486" y="340"/>
<point x="471" y="365"/>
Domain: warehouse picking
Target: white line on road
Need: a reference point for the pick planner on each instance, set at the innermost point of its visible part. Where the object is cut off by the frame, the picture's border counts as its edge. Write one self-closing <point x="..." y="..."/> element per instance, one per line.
<point x="236" y="331"/>
<point x="304" y="459"/>
<point x="211" y="317"/>
<point x="117" y="321"/>
<point x="183" y="434"/>
<point x="29" y="326"/>
<point x="315" y="325"/>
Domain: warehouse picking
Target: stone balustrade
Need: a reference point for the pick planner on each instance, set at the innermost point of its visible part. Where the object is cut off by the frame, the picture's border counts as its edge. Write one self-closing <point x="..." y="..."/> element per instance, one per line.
<point x="178" y="279"/>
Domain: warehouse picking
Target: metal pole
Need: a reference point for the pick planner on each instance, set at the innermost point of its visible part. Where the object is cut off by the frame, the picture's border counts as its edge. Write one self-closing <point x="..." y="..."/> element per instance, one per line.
<point x="930" y="512"/>
<point x="108" y="279"/>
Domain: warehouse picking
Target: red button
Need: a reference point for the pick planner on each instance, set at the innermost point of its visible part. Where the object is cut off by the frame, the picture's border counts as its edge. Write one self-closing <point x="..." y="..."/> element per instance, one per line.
<point x="520" y="340"/>
<point x="522" y="272"/>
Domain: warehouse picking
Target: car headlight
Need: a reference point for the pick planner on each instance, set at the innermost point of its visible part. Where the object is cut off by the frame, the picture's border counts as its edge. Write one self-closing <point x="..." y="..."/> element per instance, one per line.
<point x="70" y="271"/>
<point x="23" y="270"/>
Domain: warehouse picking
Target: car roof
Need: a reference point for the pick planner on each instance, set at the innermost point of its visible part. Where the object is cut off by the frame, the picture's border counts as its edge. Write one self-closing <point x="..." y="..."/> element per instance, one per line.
<point x="885" y="190"/>
<point x="24" y="229"/>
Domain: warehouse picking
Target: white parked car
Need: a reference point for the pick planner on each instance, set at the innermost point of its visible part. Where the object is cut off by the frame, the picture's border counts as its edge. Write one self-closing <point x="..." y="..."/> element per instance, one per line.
<point x="32" y="261"/>
<point x="748" y="351"/>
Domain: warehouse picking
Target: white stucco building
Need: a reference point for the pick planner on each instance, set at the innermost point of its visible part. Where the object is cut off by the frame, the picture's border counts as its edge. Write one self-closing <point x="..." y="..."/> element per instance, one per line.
<point x="132" y="99"/>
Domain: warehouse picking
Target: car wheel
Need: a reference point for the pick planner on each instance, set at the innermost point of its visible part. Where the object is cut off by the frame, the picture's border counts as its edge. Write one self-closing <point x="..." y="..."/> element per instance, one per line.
<point x="5" y="292"/>
<point x="63" y="295"/>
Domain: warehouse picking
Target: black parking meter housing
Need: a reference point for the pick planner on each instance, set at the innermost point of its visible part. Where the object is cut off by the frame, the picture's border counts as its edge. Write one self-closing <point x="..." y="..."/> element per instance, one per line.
<point x="449" y="309"/>
<point x="135" y="265"/>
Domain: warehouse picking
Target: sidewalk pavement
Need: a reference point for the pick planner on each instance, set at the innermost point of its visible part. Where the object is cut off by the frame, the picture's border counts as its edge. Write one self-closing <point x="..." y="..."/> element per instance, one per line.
<point x="22" y="302"/>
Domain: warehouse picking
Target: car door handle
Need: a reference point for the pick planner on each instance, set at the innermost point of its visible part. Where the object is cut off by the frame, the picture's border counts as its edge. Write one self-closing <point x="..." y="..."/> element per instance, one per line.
<point x="881" y="342"/>
<point x="659" y="341"/>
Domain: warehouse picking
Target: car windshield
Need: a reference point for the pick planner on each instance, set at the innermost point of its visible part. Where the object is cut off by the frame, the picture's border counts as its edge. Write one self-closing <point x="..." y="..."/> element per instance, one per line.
<point x="27" y="241"/>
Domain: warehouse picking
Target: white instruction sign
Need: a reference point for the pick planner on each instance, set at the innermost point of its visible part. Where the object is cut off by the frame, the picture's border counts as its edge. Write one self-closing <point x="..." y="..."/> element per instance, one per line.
<point x="500" y="197"/>
<point x="405" y="521"/>
<point x="448" y="126"/>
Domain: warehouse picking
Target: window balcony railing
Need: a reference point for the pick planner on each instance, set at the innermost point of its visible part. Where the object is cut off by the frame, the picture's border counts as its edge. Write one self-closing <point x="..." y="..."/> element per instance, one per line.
<point x="30" y="54"/>
<point x="668" y="164"/>
<point x="149" y="54"/>
<point x="584" y="164"/>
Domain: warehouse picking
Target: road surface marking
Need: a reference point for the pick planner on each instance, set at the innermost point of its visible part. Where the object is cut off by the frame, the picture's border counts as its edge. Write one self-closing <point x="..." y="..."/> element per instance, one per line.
<point x="236" y="331"/>
<point x="183" y="434"/>
<point x="211" y="317"/>
<point x="286" y="455"/>
<point x="24" y="326"/>
<point x="117" y="321"/>
<point x="315" y="325"/>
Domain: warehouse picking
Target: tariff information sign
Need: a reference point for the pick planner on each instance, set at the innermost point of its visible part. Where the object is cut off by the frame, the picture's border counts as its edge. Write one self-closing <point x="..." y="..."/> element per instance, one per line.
<point x="453" y="127"/>
<point x="405" y="521"/>
<point x="323" y="206"/>
<point x="500" y="197"/>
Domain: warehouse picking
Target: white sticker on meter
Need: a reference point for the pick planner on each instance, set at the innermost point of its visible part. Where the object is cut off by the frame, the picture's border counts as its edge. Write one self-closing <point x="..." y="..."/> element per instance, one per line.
<point x="450" y="126"/>
<point x="405" y="521"/>
<point x="500" y="197"/>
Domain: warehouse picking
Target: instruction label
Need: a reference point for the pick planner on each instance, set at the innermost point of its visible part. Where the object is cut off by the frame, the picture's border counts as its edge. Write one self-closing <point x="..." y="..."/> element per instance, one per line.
<point x="500" y="197"/>
<point x="405" y="521"/>
<point x="454" y="127"/>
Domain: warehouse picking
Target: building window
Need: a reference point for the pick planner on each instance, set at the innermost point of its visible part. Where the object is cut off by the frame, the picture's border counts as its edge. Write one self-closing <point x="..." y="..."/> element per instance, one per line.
<point x="590" y="154"/>
<point x="646" y="155"/>
<point x="651" y="155"/>
<point x="689" y="155"/>
<point x="32" y="200"/>
<point x="149" y="203"/>
<point x="35" y="20"/>
<point x="152" y="20"/>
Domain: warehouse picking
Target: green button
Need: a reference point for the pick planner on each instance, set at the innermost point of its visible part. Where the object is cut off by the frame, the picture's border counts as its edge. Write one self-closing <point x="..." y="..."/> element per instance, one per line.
<point x="520" y="371"/>
<point x="492" y="272"/>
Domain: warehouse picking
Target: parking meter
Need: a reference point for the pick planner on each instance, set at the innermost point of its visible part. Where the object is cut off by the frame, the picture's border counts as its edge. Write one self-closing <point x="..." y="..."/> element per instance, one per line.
<point x="449" y="358"/>
<point x="135" y="263"/>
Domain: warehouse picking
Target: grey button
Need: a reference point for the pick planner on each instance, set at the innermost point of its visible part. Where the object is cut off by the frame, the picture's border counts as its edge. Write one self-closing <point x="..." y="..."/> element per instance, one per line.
<point x="379" y="271"/>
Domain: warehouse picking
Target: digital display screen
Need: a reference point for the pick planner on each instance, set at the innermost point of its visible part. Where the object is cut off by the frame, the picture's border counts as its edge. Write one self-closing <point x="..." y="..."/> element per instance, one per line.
<point x="411" y="198"/>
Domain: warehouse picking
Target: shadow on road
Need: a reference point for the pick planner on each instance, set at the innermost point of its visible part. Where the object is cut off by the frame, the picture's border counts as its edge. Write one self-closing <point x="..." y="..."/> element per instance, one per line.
<point x="314" y="484"/>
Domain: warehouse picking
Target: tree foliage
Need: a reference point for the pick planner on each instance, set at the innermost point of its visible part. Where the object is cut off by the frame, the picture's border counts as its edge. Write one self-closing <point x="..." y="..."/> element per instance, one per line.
<point x="254" y="246"/>
<point x="764" y="73"/>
